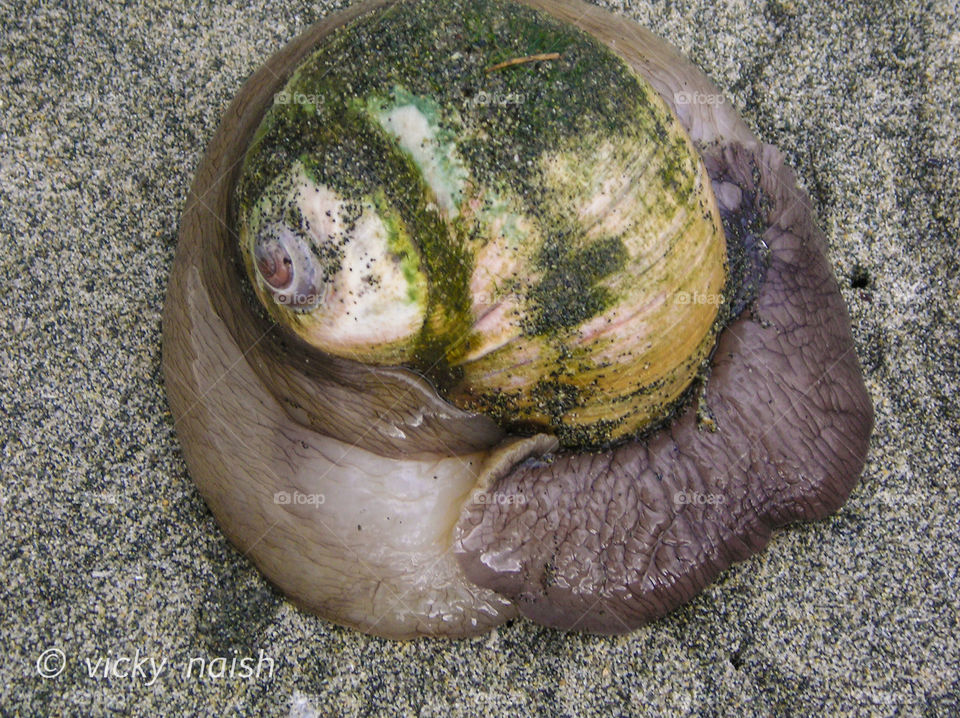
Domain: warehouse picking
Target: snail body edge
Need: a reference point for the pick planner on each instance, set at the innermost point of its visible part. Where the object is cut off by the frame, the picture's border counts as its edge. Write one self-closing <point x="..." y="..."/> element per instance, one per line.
<point x="371" y="500"/>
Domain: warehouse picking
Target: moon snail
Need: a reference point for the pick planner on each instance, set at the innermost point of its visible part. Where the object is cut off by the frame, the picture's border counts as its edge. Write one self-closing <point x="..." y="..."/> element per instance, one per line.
<point x="484" y="308"/>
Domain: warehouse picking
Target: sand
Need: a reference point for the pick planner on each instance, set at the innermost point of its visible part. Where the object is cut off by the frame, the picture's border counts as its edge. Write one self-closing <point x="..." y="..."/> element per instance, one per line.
<point x="108" y="551"/>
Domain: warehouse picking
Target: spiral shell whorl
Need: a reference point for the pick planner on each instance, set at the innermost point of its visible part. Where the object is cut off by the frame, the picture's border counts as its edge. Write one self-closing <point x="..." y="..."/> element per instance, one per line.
<point x="533" y="265"/>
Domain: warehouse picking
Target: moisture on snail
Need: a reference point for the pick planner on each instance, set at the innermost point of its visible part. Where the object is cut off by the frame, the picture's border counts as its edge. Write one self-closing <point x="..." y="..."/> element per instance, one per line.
<point x="456" y="333"/>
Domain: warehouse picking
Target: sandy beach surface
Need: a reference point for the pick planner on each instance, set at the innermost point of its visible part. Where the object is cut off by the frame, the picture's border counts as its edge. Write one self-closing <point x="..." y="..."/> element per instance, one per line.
<point x="109" y="553"/>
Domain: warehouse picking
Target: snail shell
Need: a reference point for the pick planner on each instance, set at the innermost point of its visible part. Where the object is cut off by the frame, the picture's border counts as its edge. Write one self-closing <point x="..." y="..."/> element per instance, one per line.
<point x="527" y="263"/>
<point x="392" y="448"/>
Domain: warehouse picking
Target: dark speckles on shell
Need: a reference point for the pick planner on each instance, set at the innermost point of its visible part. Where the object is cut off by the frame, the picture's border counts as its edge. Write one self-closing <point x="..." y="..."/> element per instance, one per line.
<point x="525" y="135"/>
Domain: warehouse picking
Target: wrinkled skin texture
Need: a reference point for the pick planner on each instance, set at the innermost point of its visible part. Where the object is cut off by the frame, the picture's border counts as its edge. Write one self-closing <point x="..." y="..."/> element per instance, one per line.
<point x="418" y="533"/>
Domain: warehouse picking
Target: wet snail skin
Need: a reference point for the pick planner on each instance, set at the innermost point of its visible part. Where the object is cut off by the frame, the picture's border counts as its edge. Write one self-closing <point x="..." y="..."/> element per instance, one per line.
<point x="477" y="312"/>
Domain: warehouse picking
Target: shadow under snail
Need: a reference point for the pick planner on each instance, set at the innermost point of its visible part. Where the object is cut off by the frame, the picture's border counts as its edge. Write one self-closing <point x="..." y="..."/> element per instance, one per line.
<point x="480" y="309"/>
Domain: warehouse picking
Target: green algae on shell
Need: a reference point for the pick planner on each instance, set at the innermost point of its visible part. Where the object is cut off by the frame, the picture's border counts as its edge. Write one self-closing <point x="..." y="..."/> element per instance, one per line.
<point x="533" y="239"/>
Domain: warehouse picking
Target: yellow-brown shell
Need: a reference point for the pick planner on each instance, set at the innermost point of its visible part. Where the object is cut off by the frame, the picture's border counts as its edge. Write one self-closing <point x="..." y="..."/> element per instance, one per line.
<point x="558" y="273"/>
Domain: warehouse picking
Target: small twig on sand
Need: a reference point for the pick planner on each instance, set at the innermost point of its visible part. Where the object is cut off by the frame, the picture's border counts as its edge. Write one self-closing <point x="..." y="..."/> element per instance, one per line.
<point x="521" y="60"/>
